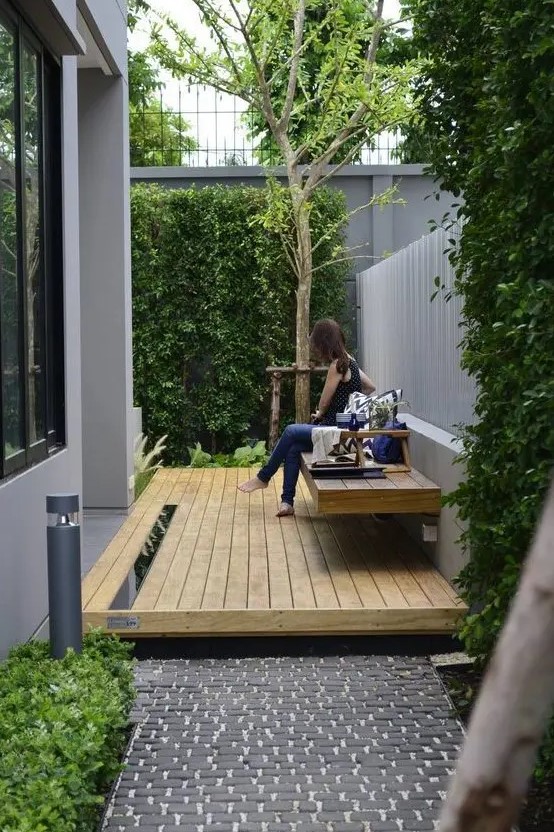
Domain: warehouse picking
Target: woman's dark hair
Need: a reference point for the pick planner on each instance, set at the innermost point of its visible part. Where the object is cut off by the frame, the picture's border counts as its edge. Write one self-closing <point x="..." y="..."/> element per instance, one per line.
<point x="327" y="342"/>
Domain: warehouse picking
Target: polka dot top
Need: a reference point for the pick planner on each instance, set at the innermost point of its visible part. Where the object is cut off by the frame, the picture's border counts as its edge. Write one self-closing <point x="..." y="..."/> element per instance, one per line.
<point x="342" y="394"/>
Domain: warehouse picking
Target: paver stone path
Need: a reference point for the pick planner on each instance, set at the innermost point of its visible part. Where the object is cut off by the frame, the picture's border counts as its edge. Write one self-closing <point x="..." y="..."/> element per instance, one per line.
<point x="334" y="744"/>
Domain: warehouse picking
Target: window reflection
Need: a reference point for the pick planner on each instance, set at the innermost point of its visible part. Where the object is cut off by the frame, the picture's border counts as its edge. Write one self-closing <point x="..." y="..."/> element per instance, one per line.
<point x="10" y="322"/>
<point x="35" y="339"/>
<point x="32" y="419"/>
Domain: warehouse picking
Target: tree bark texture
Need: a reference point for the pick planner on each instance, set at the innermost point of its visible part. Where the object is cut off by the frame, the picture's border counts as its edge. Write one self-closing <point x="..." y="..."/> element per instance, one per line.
<point x="303" y="293"/>
<point x="275" y="408"/>
<point x="514" y="704"/>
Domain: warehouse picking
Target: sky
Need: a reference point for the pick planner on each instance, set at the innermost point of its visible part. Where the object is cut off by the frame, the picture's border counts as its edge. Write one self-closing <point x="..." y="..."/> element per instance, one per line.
<point x="220" y="135"/>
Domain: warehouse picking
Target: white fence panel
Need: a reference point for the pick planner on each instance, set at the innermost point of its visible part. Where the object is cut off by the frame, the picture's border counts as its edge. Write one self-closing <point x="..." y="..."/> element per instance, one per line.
<point x="409" y="341"/>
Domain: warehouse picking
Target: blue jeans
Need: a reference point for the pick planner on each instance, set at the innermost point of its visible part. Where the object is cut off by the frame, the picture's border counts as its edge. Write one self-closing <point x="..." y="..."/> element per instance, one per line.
<point x="295" y="440"/>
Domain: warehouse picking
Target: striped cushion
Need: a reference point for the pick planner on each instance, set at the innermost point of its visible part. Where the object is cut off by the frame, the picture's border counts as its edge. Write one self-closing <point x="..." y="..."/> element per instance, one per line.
<point x="360" y="403"/>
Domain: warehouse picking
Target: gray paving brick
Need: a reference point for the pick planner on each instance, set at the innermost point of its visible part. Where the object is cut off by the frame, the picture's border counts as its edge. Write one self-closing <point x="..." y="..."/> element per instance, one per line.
<point x="287" y="745"/>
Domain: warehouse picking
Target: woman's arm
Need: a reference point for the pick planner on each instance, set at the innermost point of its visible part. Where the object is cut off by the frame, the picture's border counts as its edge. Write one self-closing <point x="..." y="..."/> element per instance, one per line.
<point x="367" y="384"/>
<point x="331" y="384"/>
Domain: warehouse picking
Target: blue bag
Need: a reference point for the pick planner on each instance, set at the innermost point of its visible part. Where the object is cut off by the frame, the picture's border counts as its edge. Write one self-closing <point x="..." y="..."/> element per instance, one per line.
<point x="388" y="449"/>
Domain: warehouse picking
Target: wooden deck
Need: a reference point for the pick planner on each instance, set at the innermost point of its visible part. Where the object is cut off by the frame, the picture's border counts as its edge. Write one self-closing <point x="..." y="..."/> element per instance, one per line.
<point x="405" y="492"/>
<point x="228" y="566"/>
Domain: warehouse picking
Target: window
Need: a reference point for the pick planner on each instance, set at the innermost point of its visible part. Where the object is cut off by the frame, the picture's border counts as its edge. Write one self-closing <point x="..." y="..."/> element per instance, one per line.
<point x="31" y="281"/>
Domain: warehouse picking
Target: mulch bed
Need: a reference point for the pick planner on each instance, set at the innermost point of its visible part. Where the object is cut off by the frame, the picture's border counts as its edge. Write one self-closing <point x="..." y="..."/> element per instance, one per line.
<point x="462" y="683"/>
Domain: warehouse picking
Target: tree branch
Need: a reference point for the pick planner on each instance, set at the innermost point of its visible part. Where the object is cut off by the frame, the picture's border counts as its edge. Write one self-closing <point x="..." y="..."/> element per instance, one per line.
<point x="299" y="18"/>
<point x="346" y="132"/>
<point x="215" y="18"/>
<point x="267" y="106"/>
<point x="351" y="153"/>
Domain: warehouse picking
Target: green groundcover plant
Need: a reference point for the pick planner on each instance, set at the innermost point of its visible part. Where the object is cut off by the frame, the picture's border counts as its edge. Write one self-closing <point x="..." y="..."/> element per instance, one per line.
<point x="62" y="731"/>
<point x="214" y="304"/>
<point x="243" y="457"/>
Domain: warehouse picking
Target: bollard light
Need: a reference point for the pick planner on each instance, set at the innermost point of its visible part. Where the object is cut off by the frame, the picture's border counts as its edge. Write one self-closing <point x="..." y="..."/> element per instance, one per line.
<point x="63" y="539"/>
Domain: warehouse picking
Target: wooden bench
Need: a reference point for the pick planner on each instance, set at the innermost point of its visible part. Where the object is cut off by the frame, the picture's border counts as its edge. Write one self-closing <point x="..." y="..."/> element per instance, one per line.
<point x="408" y="492"/>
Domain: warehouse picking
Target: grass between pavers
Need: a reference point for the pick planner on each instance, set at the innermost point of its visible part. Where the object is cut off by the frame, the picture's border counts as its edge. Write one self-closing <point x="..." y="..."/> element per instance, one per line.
<point x="62" y="730"/>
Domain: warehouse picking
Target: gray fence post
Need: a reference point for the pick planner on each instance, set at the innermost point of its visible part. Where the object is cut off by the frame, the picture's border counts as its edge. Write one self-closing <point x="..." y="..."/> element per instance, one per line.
<point x="63" y="538"/>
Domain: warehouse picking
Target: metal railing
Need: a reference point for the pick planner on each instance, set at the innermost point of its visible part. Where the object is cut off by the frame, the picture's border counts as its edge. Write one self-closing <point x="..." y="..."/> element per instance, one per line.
<point x="408" y="340"/>
<point x="197" y="126"/>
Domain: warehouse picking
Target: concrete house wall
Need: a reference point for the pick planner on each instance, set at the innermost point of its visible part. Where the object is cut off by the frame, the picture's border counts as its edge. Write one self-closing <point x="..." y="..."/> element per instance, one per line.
<point x="89" y="39"/>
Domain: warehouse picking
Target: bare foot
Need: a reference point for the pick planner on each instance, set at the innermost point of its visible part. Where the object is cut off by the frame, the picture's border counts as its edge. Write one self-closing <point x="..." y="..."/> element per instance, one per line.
<point x="252" y="485"/>
<point x="285" y="510"/>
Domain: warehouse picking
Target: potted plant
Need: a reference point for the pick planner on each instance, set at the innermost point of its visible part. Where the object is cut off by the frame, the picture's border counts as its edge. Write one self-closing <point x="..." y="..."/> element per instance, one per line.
<point x="380" y="412"/>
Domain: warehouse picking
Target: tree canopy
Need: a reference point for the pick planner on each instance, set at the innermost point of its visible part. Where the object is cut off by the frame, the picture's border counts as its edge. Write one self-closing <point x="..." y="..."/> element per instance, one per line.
<point x="287" y="59"/>
<point x="157" y="135"/>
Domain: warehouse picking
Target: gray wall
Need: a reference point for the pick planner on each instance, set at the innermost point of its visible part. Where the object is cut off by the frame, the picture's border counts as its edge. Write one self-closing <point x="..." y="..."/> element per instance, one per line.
<point x="377" y="231"/>
<point x="409" y="341"/>
<point x="23" y="594"/>
<point x="108" y="24"/>
<point x="56" y="21"/>
<point x="108" y="421"/>
<point x="434" y="452"/>
<point x="102" y="272"/>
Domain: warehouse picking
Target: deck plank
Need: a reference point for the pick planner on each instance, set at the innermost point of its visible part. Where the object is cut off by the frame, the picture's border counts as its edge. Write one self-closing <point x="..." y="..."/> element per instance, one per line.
<point x="362" y="577"/>
<point x="236" y="594"/>
<point x="373" y="545"/>
<point x="97" y="573"/>
<point x="410" y="588"/>
<point x="437" y="588"/>
<point x="280" y="592"/>
<point x="258" y="576"/>
<point x="177" y="574"/>
<point x="342" y="580"/>
<point x="216" y="581"/>
<point x="227" y="565"/>
<point x="302" y="592"/>
<point x="159" y="573"/>
<point x="121" y="559"/>
<point x="280" y="622"/>
<point x="325" y="595"/>
<point x="195" y="582"/>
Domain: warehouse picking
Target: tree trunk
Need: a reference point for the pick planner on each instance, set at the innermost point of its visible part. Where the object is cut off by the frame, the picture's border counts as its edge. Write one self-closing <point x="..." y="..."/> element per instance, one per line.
<point x="303" y="293"/>
<point x="514" y="704"/>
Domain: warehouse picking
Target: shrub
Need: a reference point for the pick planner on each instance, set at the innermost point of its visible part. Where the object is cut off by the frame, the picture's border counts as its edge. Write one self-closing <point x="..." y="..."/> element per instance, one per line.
<point x="214" y="304"/>
<point x="486" y="98"/>
<point x="146" y="463"/>
<point x="62" y="729"/>
<point x="243" y="457"/>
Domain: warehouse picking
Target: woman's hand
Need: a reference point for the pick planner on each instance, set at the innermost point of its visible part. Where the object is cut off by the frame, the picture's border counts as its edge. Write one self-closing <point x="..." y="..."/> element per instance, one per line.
<point x="316" y="418"/>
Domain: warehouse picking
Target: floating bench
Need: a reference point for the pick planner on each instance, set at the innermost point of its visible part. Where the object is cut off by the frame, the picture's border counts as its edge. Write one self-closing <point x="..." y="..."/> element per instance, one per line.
<point x="406" y="492"/>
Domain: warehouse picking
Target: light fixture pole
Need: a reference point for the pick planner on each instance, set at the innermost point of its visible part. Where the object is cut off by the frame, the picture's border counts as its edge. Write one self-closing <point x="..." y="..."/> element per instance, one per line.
<point x="63" y="539"/>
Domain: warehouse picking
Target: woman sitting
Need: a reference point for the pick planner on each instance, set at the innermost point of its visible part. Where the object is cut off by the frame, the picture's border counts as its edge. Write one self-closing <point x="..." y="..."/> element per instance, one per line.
<point x="343" y="378"/>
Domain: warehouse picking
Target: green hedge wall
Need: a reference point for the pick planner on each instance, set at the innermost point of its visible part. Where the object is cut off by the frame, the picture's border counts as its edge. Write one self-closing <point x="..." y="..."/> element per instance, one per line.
<point x="213" y="305"/>
<point x="488" y="101"/>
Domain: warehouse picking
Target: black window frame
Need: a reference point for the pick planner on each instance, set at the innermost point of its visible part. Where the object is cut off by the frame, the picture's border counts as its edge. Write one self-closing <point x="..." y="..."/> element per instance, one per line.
<point x="50" y="236"/>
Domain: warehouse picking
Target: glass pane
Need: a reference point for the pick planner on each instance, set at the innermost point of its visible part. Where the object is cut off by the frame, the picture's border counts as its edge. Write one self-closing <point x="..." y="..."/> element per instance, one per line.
<point x="10" y="322"/>
<point x="52" y="241"/>
<point x="33" y="258"/>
